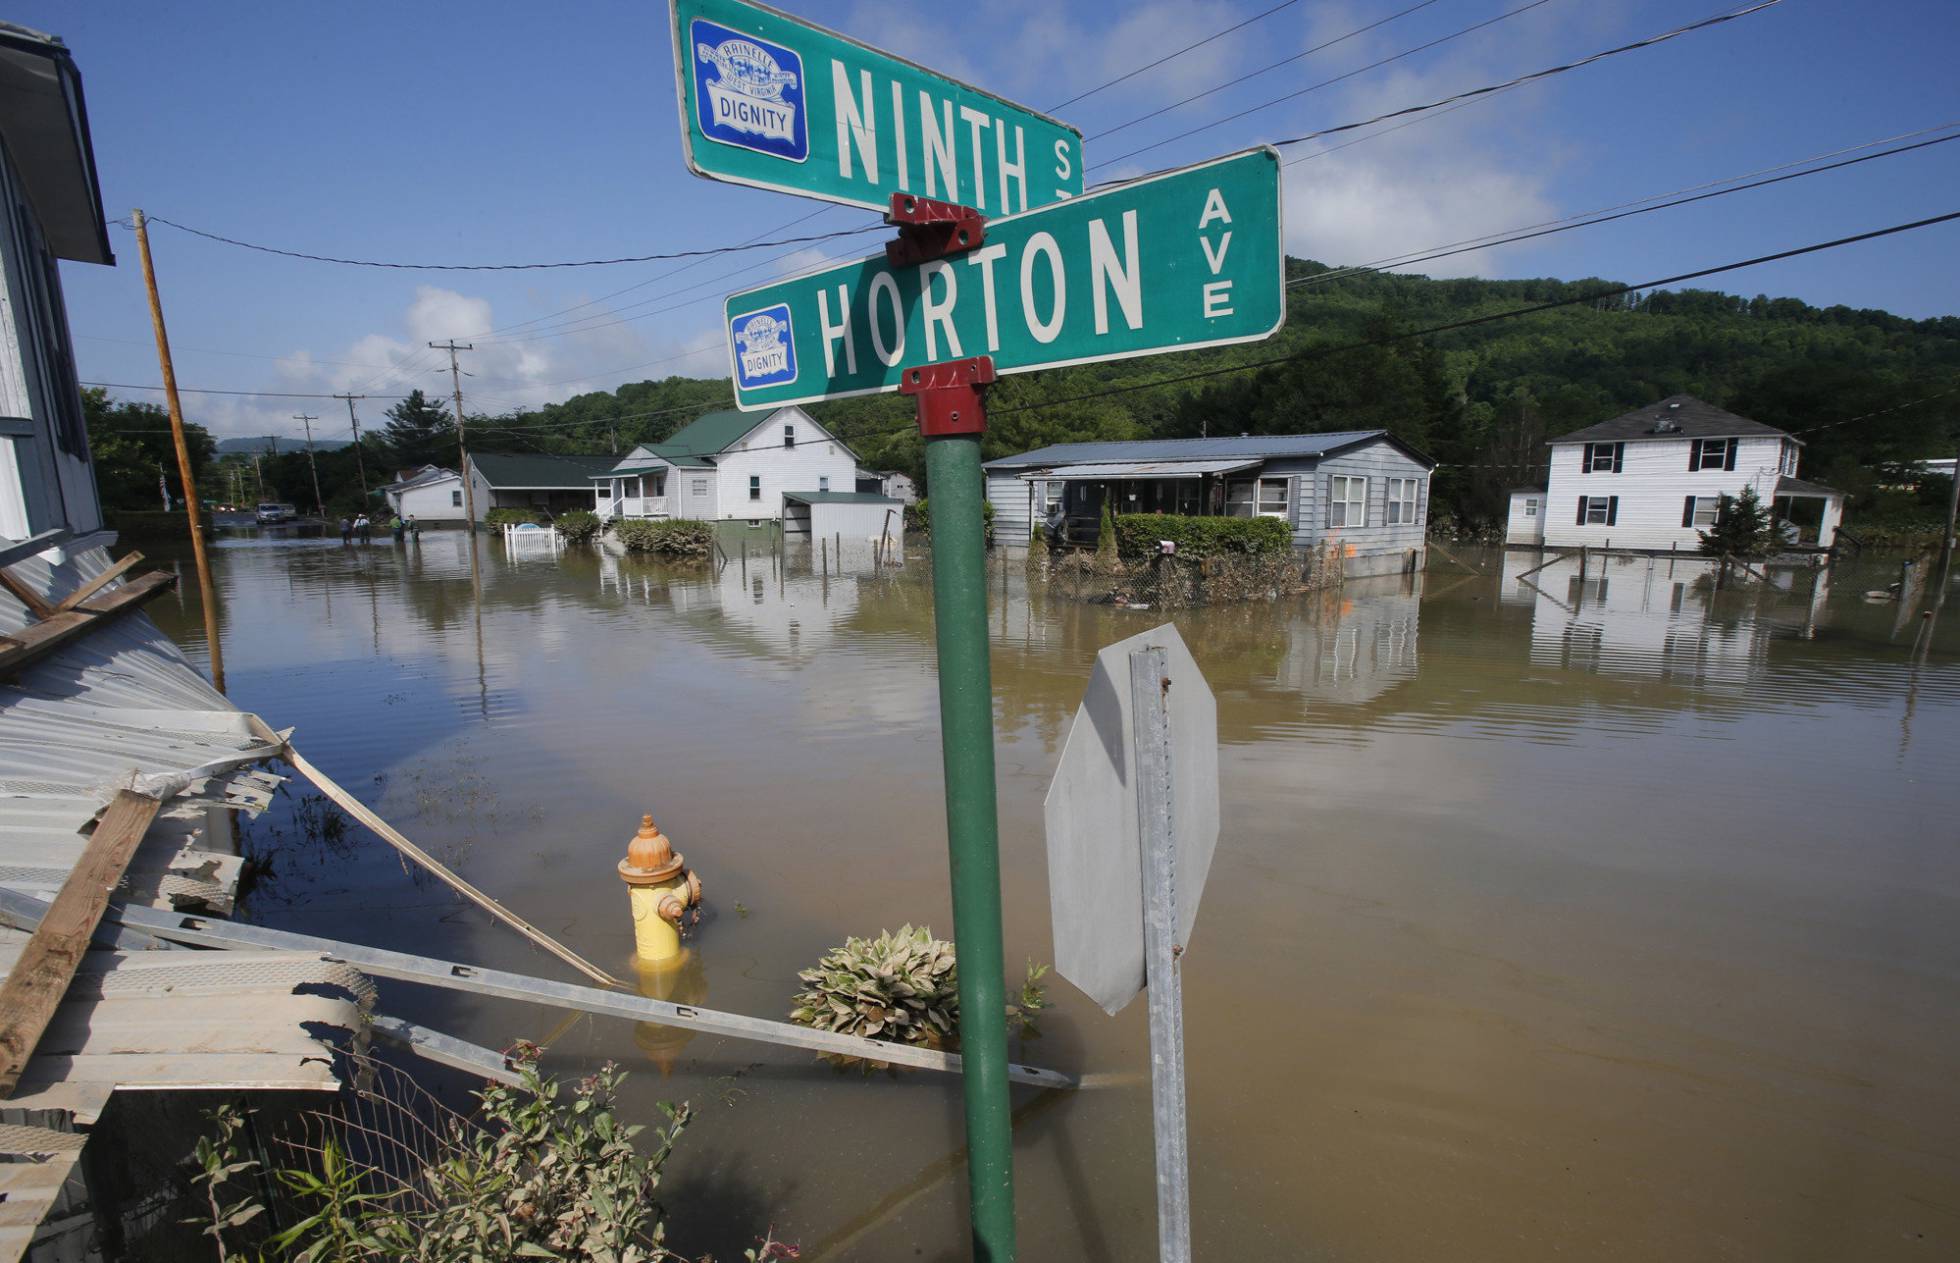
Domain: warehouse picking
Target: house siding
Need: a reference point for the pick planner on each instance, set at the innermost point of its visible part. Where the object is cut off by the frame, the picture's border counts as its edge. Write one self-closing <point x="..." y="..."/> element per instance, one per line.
<point x="430" y="503"/>
<point x="1652" y="484"/>
<point x="1374" y="547"/>
<point x="760" y="454"/>
<point x="1009" y="496"/>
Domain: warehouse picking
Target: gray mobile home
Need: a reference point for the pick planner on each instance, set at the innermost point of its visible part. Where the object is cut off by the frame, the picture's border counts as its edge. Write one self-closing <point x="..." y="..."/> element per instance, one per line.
<point x="1366" y="489"/>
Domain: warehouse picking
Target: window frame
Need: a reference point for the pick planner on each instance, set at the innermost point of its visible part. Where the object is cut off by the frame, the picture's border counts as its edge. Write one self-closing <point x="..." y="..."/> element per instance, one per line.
<point x="1343" y="499"/>
<point x="1249" y="503"/>
<point x="1531" y="506"/>
<point x="823" y="482"/>
<point x="1599" y="458"/>
<point x="1714" y="504"/>
<point x="1403" y="502"/>
<point x="1604" y="505"/>
<point x="789" y="434"/>
<point x="1259" y="501"/>
<point x="456" y="499"/>
<point x="699" y="487"/>
<point x="1721" y="458"/>
<point x="755" y="486"/>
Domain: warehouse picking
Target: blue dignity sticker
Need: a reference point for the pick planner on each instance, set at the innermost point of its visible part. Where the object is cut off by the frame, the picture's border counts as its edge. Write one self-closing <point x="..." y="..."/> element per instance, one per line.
<point x="765" y="347"/>
<point x="749" y="92"/>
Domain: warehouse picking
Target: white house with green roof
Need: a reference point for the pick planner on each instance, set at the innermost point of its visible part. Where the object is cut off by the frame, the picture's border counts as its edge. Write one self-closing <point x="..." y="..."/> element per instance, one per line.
<point x="726" y="467"/>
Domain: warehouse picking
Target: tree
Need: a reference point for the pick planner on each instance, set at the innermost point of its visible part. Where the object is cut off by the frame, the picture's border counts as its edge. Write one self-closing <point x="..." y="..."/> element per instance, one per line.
<point x="1743" y="528"/>
<point x="419" y="432"/>
<point x="132" y="447"/>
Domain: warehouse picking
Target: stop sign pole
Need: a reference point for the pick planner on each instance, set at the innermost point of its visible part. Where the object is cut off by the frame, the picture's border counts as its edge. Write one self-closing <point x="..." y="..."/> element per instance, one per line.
<point x="952" y="416"/>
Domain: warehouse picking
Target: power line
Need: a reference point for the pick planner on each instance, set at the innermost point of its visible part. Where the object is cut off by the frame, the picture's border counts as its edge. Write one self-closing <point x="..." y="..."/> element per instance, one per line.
<point x="1879" y="412"/>
<point x="1568" y="224"/>
<point x="193" y="390"/>
<point x="506" y="267"/>
<point x="1236" y="80"/>
<point x="1470" y="94"/>
<point x="1237" y="26"/>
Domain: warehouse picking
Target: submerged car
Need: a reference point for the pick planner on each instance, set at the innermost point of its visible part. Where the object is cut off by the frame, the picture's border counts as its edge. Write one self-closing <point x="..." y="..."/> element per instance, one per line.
<point x="270" y="514"/>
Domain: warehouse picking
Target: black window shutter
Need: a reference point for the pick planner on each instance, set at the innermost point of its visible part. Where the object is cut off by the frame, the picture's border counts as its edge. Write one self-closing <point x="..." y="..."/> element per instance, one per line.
<point x="1728" y="458"/>
<point x="1694" y="455"/>
<point x="1582" y="510"/>
<point x="1619" y="456"/>
<point x="1585" y="458"/>
<point x="1688" y="512"/>
<point x="1612" y="510"/>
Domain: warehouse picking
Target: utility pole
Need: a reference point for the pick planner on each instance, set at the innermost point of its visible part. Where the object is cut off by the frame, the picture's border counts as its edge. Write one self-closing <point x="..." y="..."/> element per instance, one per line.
<point x="319" y="504"/>
<point x="462" y="449"/>
<point x="206" y="592"/>
<point x="360" y="465"/>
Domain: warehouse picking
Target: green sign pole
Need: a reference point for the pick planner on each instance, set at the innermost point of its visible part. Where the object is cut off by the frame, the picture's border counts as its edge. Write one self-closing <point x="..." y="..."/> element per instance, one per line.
<point x="951" y="417"/>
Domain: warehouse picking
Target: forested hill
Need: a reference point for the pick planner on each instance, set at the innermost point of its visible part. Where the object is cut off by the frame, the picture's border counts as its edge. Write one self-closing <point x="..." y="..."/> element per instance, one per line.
<point x="1481" y="399"/>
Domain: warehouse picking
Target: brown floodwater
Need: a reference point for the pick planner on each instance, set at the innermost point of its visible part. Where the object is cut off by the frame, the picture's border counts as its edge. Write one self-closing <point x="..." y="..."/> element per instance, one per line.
<point x="1569" y="918"/>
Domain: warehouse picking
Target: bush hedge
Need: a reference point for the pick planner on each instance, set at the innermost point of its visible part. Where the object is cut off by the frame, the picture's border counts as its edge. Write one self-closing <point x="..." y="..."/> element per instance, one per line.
<point x="918" y="518"/>
<point x="578" y="526"/>
<point x="499" y="518"/>
<point x="1200" y="537"/>
<point x="667" y="537"/>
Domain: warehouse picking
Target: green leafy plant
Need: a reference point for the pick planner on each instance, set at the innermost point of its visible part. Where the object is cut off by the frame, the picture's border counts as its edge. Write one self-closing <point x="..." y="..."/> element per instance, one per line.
<point x="672" y="537"/>
<point x="1198" y="538"/>
<point x="219" y="1164"/>
<point x="918" y="518"/>
<point x="903" y="988"/>
<point x="579" y="526"/>
<point x="1106" y="546"/>
<point x="498" y="518"/>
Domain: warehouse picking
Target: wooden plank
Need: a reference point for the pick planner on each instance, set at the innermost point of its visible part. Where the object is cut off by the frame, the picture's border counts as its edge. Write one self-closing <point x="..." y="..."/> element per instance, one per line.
<point x="98" y="583"/>
<point x="33" y="546"/>
<point x="40" y="977"/>
<point x="36" y="604"/>
<point x="37" y="640"/>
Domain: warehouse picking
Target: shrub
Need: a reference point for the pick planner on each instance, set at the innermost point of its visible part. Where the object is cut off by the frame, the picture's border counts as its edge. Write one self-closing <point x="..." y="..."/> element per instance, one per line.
<point x="579" y="526"/>
<point x="1106" y="549"/>
<point x="902" y="988"/>
<point x="1742" y="528"/>
<point x="1200" y="537"/>
<point x="919" y="520"/>
<point x="667" y="537"/>
<point x="498" y="518"/>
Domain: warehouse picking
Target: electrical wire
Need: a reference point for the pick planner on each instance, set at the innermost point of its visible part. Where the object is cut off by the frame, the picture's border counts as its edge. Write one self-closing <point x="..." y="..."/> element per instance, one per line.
<point x="1236" y="80"/>
<point x="1488" y="89"/>
<point x="1238" y="26"/>
<point x="504" y="267"/>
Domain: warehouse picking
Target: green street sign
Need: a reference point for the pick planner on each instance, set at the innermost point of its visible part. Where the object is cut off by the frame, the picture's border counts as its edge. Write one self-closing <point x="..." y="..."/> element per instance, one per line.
<point x="772" y="101"/>
<point x="1184" y="259"/>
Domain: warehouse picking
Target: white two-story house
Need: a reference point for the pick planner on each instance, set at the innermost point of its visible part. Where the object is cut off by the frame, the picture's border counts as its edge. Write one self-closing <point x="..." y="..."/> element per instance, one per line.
<point x="1654" y="479"/>
<point x="727" y="466"/>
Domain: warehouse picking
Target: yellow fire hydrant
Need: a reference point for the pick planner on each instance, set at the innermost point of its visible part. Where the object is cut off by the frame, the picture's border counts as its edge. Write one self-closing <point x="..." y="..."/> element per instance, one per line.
<point x="662" y="890"/>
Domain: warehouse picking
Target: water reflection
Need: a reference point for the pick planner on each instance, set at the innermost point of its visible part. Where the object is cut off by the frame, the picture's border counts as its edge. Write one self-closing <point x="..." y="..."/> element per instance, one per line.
<point x="1603" y="910"/>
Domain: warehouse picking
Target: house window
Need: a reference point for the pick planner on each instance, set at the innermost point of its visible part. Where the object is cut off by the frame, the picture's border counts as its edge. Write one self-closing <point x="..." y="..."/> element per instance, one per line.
<point x="1347" y="501"/>
<point x="1604" y="458"/>
<point x="1402" y="501"/>
<point x="1272" y="497"/>
<point x="1701" y="511"/>
<point x="1712" y="454"/>
<point x="1240" y="499"/>
<point x="1531" y="508"/>
<point x="700" y="486"/>
<point x="823" y="484"/>
<point x="659" y="485"/>
<point x="630" y="487"/>
<point x="455" y="499"/>
<point x="1599" y="510"/>
<point x="755" y="486"/>
<point x="789" y="436"/>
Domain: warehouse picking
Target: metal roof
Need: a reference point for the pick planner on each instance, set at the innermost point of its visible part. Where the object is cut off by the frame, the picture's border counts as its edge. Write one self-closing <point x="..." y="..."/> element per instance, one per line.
<point x="540" y="471"/>
<point x="44" y="121"/>
<point x="1675" y="417"/>
<point x="422" y="479"/>
<point x="118" y="709"/>
<point x="1798" y="487"/>
<point x="842" y="497"/>
<point x="1144" y="469"/>
<point x="1241" y="446"/>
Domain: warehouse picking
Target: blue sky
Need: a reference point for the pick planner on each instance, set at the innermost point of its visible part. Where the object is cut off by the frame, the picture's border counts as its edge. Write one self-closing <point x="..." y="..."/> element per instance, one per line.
<point x="504" y="132"/>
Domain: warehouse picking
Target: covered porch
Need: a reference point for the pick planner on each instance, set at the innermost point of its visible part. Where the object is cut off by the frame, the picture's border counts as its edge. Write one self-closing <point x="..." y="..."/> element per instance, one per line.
<point x="1806" y="513"/>
<point x="633" y="493"/>
<point x="1193" y="488"/>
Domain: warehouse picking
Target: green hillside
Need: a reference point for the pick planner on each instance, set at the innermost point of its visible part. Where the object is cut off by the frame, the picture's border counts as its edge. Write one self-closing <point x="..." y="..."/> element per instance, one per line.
<point x="1481" y="400"/>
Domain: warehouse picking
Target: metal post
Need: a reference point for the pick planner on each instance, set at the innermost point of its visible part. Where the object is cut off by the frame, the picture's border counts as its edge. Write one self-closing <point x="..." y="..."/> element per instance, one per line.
<point x="951" y="419"/>
<point x="462" y="445"/>
<point x="1149" y="699"/>
<point x="360" y="464"/>
<point x="207" y="593"/>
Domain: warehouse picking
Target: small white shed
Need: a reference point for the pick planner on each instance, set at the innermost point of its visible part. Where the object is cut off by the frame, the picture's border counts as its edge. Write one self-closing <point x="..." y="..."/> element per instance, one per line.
<point x="853" y="515"/>
<point x="1526" y="523"/>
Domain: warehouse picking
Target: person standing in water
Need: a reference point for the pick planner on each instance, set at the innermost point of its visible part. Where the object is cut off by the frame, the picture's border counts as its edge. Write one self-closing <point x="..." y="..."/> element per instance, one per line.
<point x="365" y="527"/>
<point x="395" y="525"/>
<point x="346" y="529"/>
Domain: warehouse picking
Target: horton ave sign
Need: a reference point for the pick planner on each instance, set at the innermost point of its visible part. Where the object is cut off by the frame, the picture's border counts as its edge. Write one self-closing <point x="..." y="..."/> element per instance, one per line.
<point x="1186" y="259"/>
<point x="772" y="101"/>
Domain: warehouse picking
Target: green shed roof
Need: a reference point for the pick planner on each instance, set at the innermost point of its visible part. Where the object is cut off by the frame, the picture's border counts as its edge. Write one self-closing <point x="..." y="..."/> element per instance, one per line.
<point x="710" y="433"/>
<point x="538" y="470"/>
<point x="841" y="497"/>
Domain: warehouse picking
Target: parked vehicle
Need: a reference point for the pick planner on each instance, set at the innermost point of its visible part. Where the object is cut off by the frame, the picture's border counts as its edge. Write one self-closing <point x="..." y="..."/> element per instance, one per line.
<point x="270" y="514"/>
